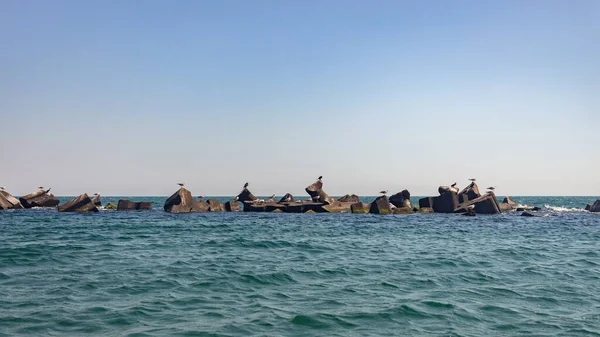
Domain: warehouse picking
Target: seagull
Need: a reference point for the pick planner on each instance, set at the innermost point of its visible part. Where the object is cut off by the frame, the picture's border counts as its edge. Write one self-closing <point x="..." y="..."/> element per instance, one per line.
<point x="453" y="185"/>
<point x="246" y="185"/>
<point x="180" y="184"/>
<point x="48" y="190"/>
<point x="472" y="179"/>
<point x="320" y="177"/>
<point x="41" y="187"/>
<point x="1" y="188"/>
<point x="96" y="193"/>
<point x="383" y="192"/>
<point x="200" y="196"/>
<point x="491" y="188"/>
<point x="272" y="196"/>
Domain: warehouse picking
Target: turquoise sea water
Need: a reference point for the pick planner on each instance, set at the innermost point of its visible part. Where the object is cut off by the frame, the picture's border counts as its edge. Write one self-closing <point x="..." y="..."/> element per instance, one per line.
<point x="241" y="274"/>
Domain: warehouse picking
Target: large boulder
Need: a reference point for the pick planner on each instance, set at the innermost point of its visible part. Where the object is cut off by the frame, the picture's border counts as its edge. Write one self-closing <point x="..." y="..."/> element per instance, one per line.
<point x="381" y="205"/>
<point x="215" y="205"/>
<point x="232" y="206"/>
<point x="360" y="207"/>
<point x="507" y="204"/>
<point x="245" y="195"/>
<point x="39" y="198"/>
<point x="183" y="202"/>
<point x="315" y="190"/>
<point x="126" y="205"/>
<point x="595" y="207"/>
<point x="445" y="203"/>
<point x="287" y="198"/>
<point x="7" y="201"/>
<point x="401" y="199"/>
<point x="96" y="200"/>
<point x="82" y="203"/>
<point x="353" y="198"/>
<point x="485" y="204"/>
<point x="469" y="193"/>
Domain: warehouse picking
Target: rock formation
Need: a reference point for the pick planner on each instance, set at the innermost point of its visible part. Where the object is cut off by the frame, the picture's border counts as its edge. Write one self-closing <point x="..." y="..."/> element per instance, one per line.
<point x="507" y="205"/>
<point x="401" y="199"/>
<point x="96" y="200"/>
<point x="215" y="205"/>
<point x="595" y="207"/>
<point x="485" y="204"/>
<point x="287" y="198"/>
<point x="39" y="198"/>
<point x="360" y="207"/>
<point x="381" y="205"/>
<point x="183" y="202"/>
<point x="245" y="195"/>
<point x="7" y="201"/>
<point x="469" y="193"/>
<point x="353" y="198"/>
<point x="126" y="205"/>
<point x="232" y="206"/>
<point x="82" y="203"/>
<point x="317" y="194"/>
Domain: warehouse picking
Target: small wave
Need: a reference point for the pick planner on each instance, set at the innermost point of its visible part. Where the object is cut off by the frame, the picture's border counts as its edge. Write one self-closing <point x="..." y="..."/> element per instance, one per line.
<point x="563" y="209"/>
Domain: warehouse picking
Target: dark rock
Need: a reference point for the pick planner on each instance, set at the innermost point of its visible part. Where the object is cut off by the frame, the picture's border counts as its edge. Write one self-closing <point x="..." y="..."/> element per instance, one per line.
<point x="215" y="205"/>
<point x="536" y="208"/>
<point x="426" y="202"/>
<point x="595" y="207"/>
<point x="485" y="204"/>
<point x="588" y="207"/>
<point x="275" y="207"/>
<point x="359" y="207"/>
<point x="470" y="212"/>
<point x="401" y="199"/>
<point x="183" y="202"/>
<point x="527" y="214"/>
<point x="317" y="194"/>
<point x="39" y="198"/>
<point x="126" y="205"/>
<point x="350" y="198"/>
<point x="381" y="205"/>
<point x="304" y="206"/>
<point x="7" y="201"/>
<point x="469" y="193"/>
<point x="232" y="206"/>
<point x="445" y="203"/>
<point x="287" y="198"/>
<point x="245" y="195"/>
<point x="82" y="203"/>
<point x="403" y="210"/>
<point x="96" y="200"/>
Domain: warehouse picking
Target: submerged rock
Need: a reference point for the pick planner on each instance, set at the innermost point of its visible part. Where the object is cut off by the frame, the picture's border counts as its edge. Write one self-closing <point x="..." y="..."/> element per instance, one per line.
<point x="183" y="202"/>
<point x="588" y="207"/>
<point x="39" y="198"/>
<point x="470" y="212"/>
<point x="82" y="203"/>
<point x="7" y="201"/>
<point x="110" y="205"/>
<point x="403" y="210"/>
<point x="527" y="214"/>
<point x="126" y="205"/>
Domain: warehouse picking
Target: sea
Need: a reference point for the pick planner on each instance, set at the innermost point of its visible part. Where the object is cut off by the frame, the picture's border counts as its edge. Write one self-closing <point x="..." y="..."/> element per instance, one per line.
<point x="151" y="273"/>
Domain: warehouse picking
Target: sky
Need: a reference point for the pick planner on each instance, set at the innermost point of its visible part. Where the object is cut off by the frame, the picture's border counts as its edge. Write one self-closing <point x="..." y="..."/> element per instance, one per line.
<point x="131" y="97"/>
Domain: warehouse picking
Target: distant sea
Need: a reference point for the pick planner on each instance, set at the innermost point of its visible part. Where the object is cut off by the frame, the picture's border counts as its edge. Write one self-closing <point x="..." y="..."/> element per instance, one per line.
<point x="151" y="273"/>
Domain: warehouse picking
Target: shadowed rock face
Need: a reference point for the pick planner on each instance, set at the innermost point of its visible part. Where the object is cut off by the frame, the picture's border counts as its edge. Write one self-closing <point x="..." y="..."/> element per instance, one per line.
<point x="337" y="207"/>
<point x="287" y="198"/>
<point x="350" y="198"/>
<point x="215" y="205"/>
<point x="381" y="205"/>
<point x="246" y="195"/>
<point x="126" y="205"/>
<point x="469" y="193"/>
<point x="445" y="203"/>
<point x="39" y="198"/>
<point x="595" y="207"/>
<point x="96" y="200"/>
<point x="232" y="206"/>
<point x="588" y="207"/>
<point x="183" y="202"/>
<point x="315" y="190"/>
<point x="82" y="203"/>
<point x="507" y="205"/>
<point x="7" y="201"/>
<point x="485" y="204"/>
<point x="360" y="207"/>
<point x="401" y="199"/>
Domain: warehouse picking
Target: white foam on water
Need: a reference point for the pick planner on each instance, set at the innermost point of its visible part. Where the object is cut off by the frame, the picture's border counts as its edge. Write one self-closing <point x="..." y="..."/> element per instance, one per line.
<point x="564" y="209"/>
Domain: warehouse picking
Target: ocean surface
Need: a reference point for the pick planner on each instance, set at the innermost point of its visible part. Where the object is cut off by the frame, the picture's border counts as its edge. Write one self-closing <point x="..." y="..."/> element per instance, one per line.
<point x="150" y="273"/>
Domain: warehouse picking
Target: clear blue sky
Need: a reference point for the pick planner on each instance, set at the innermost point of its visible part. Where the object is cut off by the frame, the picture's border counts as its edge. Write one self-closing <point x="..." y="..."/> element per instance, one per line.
<point x="130" y="97"/>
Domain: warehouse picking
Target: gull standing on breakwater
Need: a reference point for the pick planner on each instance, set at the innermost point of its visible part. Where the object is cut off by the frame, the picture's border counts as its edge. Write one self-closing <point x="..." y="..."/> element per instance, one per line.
<point x="180" y="184"/>
<point x="491" y="188"/>
<point x="453" y="185"/>
<point x="246" y="185"/>
<point x="383" y="192"/>
<point x="320" y="177"/>
<point x="472" y="179"/>
<point x="1" y="188"/>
